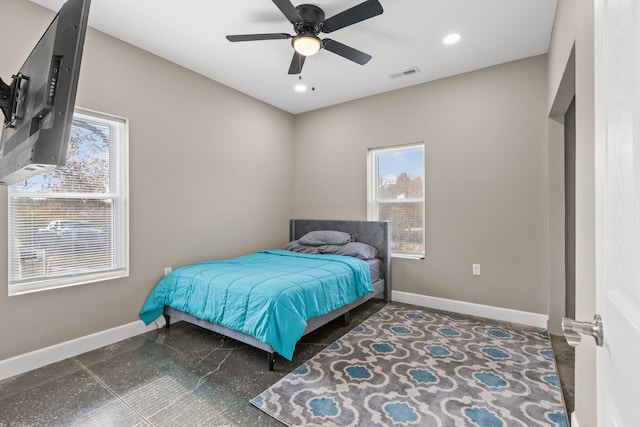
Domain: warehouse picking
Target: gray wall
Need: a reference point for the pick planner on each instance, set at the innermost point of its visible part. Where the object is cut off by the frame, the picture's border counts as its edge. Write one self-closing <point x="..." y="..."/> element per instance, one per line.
<point x="485" y="134"/>
<point x="209" y="168"/>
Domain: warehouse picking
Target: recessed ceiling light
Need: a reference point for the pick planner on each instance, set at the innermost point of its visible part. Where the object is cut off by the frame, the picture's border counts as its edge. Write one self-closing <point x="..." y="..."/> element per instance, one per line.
<point x="300" y="87"/>
<point x="452" y="38"/>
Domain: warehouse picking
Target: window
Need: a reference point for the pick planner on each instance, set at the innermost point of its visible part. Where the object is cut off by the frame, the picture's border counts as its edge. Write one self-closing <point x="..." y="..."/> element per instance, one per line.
<point x="396" y="194"/>
<point x="68" y="226"/>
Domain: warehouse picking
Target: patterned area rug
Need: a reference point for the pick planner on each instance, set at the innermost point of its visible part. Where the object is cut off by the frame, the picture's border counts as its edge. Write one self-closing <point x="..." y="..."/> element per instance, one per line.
<point x="407" y="366"/>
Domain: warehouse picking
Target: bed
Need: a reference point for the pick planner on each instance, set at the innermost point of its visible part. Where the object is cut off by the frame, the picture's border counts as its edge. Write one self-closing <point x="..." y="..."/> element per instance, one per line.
<point x="271" y="298"/>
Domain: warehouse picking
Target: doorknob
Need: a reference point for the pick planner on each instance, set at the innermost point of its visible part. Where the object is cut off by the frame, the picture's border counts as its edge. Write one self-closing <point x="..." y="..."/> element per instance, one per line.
<point x="572" y="330"/>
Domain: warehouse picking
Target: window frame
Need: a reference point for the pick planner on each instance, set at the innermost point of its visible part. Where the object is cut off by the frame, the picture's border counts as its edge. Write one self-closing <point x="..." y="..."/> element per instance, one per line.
<point x="121" y="223"/>
<point x="372" y="190"/>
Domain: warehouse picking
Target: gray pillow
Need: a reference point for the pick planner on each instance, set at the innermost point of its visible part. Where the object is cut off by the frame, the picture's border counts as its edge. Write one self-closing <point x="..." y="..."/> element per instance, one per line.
<point x="354" y="249"/>
<point x="325" y="237"/>
<point x="295" y="246"/>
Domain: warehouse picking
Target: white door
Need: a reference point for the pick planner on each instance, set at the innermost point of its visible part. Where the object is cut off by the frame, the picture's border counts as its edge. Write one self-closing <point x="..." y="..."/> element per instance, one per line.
<point x="617" y="91"/>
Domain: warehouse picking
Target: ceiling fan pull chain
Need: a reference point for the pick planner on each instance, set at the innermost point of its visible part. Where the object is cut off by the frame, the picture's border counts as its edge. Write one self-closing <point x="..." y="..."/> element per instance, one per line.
<point x="313" y="74"/>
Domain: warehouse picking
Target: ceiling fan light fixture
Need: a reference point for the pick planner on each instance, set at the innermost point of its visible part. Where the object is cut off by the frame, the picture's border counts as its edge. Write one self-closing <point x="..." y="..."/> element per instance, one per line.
<point x="306" y="44"/>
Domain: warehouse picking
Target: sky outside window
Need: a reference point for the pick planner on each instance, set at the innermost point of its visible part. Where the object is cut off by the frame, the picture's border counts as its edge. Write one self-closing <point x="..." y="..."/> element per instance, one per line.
<point x="393" y="162"/>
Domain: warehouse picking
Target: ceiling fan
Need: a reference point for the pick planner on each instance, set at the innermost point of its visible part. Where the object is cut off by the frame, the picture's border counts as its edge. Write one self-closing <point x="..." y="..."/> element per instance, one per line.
<point x="308" y="21"/>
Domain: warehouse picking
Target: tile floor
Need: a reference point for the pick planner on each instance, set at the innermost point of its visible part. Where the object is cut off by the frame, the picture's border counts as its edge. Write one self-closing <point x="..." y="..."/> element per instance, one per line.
<point x="183" y="376"/>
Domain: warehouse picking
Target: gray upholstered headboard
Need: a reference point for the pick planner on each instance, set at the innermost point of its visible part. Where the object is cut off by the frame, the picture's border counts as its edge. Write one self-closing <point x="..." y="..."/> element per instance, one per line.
<point x="374" y="233"/>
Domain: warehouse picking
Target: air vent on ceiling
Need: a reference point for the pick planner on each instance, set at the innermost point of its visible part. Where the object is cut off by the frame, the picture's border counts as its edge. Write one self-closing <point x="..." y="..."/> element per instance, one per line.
<point x="404" y="73"/>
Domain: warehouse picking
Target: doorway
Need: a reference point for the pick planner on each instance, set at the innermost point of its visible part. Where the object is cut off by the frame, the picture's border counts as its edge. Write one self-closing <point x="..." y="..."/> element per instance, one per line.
<point x="570" y="208"/>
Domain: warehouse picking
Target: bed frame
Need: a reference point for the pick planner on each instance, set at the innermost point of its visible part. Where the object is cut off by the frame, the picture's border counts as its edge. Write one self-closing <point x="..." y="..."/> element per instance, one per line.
<point x="374" y="233"/>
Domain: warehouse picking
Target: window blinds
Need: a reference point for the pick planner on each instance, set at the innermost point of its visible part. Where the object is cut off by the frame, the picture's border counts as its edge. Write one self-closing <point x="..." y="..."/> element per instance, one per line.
<point x="68" y="226"/>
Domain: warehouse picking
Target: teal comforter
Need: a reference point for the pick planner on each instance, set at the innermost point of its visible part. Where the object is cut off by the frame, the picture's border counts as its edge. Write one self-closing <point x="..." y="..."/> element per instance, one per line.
<point x="269" y="294"/>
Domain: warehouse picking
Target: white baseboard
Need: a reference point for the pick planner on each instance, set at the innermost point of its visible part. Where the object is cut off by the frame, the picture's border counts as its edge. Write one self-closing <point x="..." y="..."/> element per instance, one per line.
<point x="505" y="314"/>
<point x="574" y="420"/>
<point x="36" y="359"/>
<point x="45" y="356"/>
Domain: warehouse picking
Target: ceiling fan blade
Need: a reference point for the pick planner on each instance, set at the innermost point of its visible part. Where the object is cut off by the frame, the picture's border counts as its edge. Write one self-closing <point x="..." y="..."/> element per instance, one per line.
<point x="288" y="10"/>
<point x="253" y="37"/>
<point x="357" y="13"/>
<point x="296" y="63"/>
<point x="346" y="51"/>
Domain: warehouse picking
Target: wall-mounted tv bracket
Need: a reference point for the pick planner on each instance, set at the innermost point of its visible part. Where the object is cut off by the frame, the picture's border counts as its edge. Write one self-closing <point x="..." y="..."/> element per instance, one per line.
<point x="6" y="100"/>
<point x="11" y="99"/>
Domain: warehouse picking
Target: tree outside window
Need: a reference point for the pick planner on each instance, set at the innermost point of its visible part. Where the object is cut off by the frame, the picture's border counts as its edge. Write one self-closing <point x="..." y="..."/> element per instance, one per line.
<point x="396" y="184"/>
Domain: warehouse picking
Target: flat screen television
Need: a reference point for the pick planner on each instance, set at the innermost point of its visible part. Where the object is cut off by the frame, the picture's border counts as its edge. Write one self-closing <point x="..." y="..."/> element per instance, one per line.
<point x="38" y="103"/>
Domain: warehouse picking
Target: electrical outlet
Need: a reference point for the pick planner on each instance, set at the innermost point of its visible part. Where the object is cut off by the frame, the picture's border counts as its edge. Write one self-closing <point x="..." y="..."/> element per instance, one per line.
<point x="476" y="269"/>
<point x="167" y="270"/>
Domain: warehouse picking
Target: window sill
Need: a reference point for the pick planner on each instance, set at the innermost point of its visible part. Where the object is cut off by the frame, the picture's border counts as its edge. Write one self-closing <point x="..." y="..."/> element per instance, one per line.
<point x="50" y="284"/>
<point x="406" y="256"/>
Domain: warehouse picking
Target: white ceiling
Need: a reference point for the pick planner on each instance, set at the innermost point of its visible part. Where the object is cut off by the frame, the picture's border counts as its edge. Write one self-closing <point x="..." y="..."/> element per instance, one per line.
<point x="408" y="34"/>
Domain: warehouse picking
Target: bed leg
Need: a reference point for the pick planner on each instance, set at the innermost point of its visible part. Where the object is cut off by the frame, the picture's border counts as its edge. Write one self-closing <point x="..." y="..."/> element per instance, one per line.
<point x="167" y="319"/>
<point x="271" y="359"/>
<point x="346" y="319"/>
